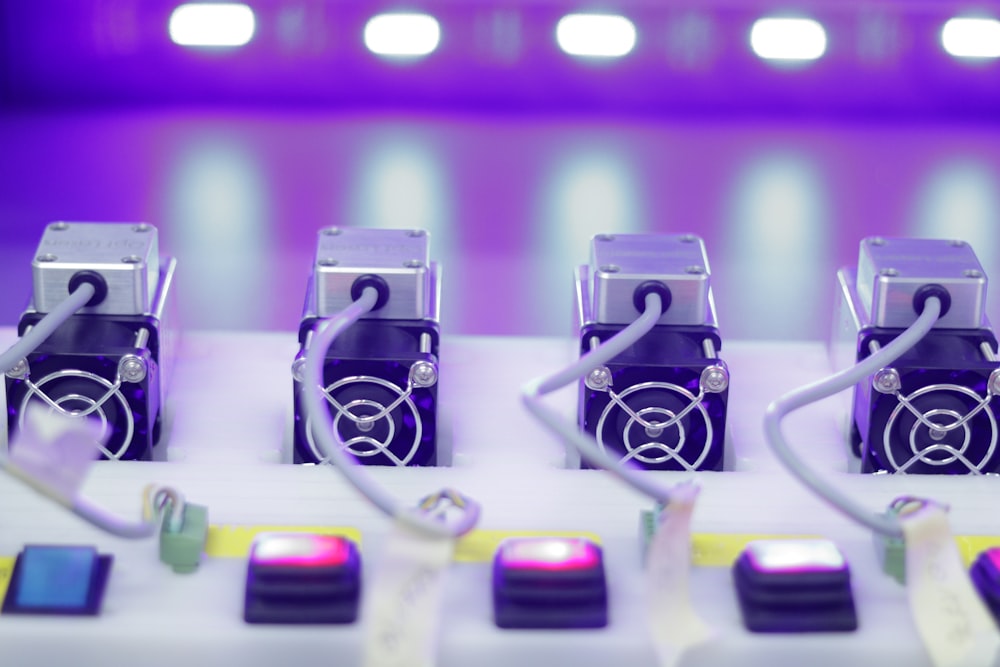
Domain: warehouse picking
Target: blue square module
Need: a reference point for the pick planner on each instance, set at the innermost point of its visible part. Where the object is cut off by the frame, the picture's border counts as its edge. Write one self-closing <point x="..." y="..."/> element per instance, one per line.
<point x="67" y="580"/>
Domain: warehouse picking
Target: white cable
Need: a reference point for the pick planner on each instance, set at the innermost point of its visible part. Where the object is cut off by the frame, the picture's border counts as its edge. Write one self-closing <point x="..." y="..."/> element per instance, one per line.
<point x="112" y="524"/>
<point x="46" y="326"/>
<point x="329" y="442"/>
<point x="154" y="514"/>
<point x="532" y="393"/>
<point x="83" y="508"/>
<point x="827" y="387"/>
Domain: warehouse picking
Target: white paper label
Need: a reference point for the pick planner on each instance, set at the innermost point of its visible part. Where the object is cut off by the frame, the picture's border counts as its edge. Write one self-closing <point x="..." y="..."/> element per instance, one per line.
<point x="55" y="451"/>
<point x="403" y="604"/>
<point x="674" y="624"/>
<point x="954" y="624"/>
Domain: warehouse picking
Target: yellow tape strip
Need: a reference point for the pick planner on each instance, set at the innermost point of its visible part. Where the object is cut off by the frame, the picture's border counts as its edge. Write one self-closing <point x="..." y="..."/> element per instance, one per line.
<point x="6" y="572"/>
<point x="479" y="546"/>
<point x="235" y="541"/>
<point x="970" y="546"/>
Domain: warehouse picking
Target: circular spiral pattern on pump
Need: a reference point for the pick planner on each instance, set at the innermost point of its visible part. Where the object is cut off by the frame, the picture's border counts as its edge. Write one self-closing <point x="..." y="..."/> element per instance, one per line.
<point x="80" y="393"/>
<point x="656" y="404"/>
<point x="911" y="446"/>
<point x="362" y="396"/>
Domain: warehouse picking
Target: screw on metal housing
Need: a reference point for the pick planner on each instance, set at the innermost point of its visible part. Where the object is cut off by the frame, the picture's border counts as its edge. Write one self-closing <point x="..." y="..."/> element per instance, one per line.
<point x="19" y="371"/>
<point x="886" y="381"/>
<point x="598" y="379"/>
<point x="132" y="368"/>
<point x="715" y="379"/>
<point x="299" y="369"/>
<point x="423" y="374"/>
<point x="994" y="384"/>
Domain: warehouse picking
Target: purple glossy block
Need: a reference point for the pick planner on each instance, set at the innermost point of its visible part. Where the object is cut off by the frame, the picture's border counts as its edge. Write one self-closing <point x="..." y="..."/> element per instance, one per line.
<point x="985" y="575"/>
<point x="794" y="586"/>
<point x="549" y="582"/>
<point x="302" y="578"/>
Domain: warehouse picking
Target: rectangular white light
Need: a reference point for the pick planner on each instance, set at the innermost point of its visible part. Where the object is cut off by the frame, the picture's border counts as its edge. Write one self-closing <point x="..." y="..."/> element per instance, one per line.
<point x="971" y="37"/>
<point x="212" y="24"/>
<point x="402" y="35"/>
<point x="595" y="35"/>
<point x="788" y="39"/>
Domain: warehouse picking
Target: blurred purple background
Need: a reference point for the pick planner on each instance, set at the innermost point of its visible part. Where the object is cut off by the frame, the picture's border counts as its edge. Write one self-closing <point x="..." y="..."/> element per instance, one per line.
<point x="511" y="153"/>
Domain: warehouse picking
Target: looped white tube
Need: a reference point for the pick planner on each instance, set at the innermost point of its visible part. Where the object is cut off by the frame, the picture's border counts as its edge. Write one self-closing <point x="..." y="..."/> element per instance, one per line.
<point x="803" y="396"/>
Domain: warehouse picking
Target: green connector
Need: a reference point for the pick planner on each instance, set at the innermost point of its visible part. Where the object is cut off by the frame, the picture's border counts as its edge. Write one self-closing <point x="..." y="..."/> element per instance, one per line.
<point x="648" y="522"/>
<point x="891" y="551"/>
<point x="182" y="550"/>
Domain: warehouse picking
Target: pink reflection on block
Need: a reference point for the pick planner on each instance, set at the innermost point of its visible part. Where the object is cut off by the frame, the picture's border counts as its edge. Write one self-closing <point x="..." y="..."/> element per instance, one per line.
<point x="305" y="550"/>
<point x="993" y="554"/>
<point x="549" y="553"/>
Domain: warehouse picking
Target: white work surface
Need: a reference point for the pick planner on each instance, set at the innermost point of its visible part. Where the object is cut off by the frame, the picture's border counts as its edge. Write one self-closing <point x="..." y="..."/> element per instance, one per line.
<point x="228" y="426"/>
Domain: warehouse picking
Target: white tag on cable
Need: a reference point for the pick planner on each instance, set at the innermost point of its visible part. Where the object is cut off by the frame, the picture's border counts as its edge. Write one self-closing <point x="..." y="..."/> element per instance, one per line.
<point x="954" y="624"/>
<point x="54" y="451"/>
<point x="403" y="604"/>
<point x="674" y="624"/>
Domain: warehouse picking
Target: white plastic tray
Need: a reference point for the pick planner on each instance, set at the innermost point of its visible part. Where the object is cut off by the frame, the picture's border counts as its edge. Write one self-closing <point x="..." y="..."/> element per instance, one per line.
<point x="228" y="428"/>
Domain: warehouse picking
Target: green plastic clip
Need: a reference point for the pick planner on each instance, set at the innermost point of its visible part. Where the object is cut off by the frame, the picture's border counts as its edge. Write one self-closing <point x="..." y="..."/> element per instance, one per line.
<point x="891" y="551"/>
<point x="182" y="549"/>
<point x="649" y="521"/>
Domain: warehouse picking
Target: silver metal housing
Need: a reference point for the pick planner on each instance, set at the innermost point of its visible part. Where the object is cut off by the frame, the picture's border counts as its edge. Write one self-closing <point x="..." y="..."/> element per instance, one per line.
<point x="891" y="270"/>
<point x="870" y="298"/>
<point x="162" y="313"/>
<point x="849" y="319"/>
<point x="125" y="255"/>
<point x="400" y="257"/>
<point x="621" y="262"/>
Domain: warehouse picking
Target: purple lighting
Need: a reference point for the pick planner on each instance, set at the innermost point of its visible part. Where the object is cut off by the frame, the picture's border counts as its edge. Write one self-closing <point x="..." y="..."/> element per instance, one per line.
<point x="788" y="39"/>
<point x="511" y="152"/>
<point x="402" y="35"/>
<point x="595" y="35"/>
<point x="222" y="24"/>
<point x="977" y="38"/>
<point x="493" y="55"/>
